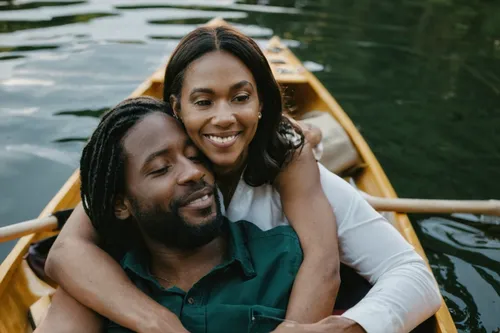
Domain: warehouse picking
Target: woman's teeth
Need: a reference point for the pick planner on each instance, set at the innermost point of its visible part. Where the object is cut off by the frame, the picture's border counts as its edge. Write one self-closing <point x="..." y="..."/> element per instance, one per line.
<point x="219" y="139"/>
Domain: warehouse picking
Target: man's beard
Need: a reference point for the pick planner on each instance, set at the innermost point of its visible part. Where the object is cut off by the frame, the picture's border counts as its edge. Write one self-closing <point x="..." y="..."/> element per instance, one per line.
<point x="169" y="228"/>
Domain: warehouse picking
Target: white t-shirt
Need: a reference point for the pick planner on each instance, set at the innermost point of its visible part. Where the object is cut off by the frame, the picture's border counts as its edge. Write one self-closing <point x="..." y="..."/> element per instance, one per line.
<point x="404" y="292"/>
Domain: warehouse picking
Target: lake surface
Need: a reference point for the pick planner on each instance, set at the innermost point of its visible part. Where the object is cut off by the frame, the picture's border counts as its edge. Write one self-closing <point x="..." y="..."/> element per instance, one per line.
<point x="421" y="80"/>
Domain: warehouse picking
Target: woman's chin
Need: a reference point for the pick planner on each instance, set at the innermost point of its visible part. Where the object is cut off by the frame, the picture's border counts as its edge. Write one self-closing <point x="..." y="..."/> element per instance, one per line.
<point x="224" y="163"/>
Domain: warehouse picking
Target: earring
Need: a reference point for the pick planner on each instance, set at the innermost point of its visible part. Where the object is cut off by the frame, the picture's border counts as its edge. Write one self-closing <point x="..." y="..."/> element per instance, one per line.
<point x="260" y="115"/>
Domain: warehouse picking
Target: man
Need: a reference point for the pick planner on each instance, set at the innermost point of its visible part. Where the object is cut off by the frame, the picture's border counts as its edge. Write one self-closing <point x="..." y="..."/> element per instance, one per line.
<point x="160" y="207"/>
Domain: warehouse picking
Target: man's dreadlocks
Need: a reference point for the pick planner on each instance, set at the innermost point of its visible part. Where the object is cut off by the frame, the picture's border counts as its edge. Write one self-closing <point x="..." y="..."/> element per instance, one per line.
<point x="102" y="169"/>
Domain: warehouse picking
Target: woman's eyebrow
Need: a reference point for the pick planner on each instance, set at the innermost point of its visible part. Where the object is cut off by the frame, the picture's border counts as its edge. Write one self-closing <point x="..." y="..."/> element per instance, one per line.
<point x="241" y="84"/>
<point x="235" y="86"/>
<point x="201" y="90"/>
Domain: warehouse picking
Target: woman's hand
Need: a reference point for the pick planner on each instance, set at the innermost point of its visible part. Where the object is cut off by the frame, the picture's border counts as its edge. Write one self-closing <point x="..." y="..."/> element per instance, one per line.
<point x="312" y="133"/>
<point x="331" y="324"/>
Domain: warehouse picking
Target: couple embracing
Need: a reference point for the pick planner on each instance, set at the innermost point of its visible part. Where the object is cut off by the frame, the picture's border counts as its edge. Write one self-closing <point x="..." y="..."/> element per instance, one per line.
<point x="207" y="212"/>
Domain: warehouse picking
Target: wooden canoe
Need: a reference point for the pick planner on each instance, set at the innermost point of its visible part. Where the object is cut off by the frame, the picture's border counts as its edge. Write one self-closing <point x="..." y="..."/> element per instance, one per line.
<point x="21" y="289"/>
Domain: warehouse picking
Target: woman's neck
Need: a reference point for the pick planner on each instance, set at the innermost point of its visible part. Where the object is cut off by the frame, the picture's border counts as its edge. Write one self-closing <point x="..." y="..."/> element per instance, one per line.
<point x="228" y="178"/>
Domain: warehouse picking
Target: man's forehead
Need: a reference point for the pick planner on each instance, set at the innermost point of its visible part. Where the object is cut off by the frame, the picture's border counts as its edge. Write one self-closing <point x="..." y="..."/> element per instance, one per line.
<point x="154" y="131"/>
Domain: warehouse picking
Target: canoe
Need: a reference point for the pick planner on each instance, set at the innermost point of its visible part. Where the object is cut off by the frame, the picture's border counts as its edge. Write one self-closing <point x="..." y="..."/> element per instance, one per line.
<point x="24" y="297"/>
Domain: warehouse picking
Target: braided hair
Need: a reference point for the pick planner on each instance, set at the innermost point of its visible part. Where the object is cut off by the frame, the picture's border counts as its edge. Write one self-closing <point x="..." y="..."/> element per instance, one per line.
<point x="102" y="168"/>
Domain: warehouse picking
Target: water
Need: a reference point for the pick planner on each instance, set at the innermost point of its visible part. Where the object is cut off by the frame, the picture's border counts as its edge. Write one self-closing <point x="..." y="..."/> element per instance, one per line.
<point x="421" y="79"/>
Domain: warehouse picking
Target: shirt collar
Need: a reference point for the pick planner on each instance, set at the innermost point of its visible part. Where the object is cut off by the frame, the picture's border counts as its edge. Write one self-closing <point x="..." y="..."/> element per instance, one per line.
<point x="137" y="260"/>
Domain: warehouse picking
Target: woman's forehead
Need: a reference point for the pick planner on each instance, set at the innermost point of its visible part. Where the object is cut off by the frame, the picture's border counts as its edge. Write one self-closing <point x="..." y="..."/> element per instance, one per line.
<point x="216" y="69"/>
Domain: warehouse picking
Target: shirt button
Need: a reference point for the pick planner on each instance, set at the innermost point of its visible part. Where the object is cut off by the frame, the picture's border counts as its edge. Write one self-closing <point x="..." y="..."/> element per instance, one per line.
<point x="191" y="300"/>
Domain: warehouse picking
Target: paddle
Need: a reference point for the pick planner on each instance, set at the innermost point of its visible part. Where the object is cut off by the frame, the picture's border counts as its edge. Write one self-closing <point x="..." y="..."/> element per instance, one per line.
<point x="50" y="223"/>
<point x="489" y="207"/>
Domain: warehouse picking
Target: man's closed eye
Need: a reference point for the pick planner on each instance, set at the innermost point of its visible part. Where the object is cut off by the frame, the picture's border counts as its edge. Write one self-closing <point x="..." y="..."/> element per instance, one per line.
<point x="159" y="171"/>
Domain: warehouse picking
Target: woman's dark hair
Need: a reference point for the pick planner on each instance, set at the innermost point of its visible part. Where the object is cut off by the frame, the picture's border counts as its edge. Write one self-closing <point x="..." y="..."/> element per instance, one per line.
<point x="102" y="170"/>
<point x="271" y="148"/>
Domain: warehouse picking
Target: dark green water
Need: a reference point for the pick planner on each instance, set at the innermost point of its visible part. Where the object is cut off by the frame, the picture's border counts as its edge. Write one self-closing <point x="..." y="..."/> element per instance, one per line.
<point x="421" y="79"/>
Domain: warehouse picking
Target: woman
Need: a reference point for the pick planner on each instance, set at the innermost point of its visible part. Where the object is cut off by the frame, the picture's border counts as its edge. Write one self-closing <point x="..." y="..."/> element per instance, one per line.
<point x="222" y="89"/>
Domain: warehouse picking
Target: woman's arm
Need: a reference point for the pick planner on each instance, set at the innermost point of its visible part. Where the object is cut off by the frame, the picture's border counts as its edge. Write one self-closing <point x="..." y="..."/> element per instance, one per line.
<point x="404" y="292"/>
<point x="65" y="314"/>
<point x="311" y="215"/>
<point x="93" y="278"/>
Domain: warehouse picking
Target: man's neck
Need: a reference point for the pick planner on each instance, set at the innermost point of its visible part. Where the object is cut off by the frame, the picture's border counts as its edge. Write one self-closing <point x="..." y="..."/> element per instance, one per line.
<point x="183" y="268"/>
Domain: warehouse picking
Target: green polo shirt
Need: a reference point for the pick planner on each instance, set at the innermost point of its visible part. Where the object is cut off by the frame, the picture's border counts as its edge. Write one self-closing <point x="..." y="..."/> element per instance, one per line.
<point x="248" y="292"/>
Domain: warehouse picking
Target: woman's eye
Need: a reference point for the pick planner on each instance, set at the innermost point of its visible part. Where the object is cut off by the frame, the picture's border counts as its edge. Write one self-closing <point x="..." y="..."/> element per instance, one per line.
<point x="241" y="98"/>
<point x="204" y="102"/>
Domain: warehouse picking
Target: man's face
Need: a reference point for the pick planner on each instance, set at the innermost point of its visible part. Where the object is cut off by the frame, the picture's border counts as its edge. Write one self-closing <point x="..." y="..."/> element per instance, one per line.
<point x="169" y="190"/>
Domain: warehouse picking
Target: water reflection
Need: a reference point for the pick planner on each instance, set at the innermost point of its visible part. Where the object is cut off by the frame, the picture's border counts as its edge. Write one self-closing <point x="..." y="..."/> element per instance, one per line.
<point x="97" y="113"/>
<point x="12" y="26"/>
<point x="27" y="48"/>
<point x="11" y="5"/>
<point x="63" y="140"/>
<point x="465" y="258"/>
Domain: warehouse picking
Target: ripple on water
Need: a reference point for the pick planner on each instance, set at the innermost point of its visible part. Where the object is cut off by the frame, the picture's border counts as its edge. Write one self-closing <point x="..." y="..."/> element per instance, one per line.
<point x="465" y="258"/>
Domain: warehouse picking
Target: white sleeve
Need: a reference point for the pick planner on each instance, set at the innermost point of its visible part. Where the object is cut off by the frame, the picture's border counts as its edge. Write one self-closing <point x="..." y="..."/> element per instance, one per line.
<point x="404" y="291"/>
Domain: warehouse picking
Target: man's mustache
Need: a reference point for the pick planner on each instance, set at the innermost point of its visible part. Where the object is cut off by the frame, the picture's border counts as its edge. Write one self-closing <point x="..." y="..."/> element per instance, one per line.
<point x="192" y="188"/>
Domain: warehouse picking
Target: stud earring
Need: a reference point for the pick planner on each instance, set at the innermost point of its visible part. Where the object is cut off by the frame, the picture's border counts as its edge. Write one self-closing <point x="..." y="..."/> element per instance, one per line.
<point x="260" y="115"/>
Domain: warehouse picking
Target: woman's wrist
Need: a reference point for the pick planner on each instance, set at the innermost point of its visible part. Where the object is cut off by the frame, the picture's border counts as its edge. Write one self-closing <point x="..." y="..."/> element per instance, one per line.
<point x="159" y="320"/>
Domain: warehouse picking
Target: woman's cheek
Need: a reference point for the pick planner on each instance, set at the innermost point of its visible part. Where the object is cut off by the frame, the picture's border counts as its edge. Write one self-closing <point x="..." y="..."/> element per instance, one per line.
<point x="193" y="131"/>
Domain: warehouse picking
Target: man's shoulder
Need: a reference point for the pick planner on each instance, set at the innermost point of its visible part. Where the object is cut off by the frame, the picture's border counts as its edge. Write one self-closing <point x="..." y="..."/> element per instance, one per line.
<point x="275" y="242"/>
<point x="253" y="233"/>
<point x="277" y="249"/>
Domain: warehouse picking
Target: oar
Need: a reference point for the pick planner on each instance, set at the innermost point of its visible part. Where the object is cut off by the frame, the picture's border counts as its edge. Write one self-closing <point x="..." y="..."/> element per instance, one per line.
<point x="403" y="205"/>
<point x="489" y="207"/>
<point x="50" y="223"/>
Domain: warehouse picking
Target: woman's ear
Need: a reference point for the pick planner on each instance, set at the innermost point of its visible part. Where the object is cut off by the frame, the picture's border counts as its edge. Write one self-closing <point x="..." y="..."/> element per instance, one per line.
<point x="122" y="210"/>
<point x="259" y="115"/>
<point x="174" y="103"/>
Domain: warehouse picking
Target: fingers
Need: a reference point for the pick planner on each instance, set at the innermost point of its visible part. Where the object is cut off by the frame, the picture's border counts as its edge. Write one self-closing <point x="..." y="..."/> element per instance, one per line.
<point x="312" y="133"/>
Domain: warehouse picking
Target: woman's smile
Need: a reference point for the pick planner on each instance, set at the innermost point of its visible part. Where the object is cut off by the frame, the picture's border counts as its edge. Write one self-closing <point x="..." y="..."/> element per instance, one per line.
<point x="219" y="106"/>
<point x="222" y="140"/>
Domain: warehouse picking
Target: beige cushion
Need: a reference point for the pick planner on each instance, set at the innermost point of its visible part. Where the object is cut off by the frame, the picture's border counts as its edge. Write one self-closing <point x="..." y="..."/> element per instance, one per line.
<point x="339" y="153"/>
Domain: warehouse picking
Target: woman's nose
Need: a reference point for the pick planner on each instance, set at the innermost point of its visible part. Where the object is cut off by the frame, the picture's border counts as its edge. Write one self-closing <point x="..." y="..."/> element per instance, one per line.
<point x="223" y="116"/>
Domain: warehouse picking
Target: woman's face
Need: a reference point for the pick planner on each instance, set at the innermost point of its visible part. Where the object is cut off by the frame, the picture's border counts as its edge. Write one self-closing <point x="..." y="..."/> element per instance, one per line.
<point x="220" y="107"/>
